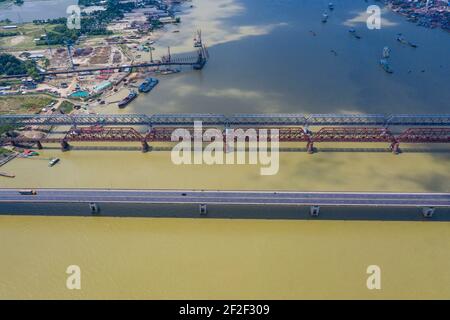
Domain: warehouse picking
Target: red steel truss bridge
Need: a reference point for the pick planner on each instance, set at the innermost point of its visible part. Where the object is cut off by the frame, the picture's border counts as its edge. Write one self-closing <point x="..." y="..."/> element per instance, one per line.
<point x="415" y="135"/>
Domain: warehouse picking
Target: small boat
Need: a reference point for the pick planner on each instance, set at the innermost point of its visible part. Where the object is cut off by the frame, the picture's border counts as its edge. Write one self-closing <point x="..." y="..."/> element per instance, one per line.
<point x="53" y="162"/>
<point x="324" y="18"/>
<point x="169" y="71"/>
<point x="7" y="175"/>
<point x="331" y="6"/>
<point x="386" y="52"/>
<point x="130" y="97"/>
<point x="148" y="85"/>
<point x="401" y="39"/>
<point x="353" y="33"/>
<point x="385" y="65"/>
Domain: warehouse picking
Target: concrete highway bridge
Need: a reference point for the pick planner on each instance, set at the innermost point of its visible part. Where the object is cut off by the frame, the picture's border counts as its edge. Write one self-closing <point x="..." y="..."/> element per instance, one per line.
<point x="392" y="129"/>
<point x="195" y="203"/>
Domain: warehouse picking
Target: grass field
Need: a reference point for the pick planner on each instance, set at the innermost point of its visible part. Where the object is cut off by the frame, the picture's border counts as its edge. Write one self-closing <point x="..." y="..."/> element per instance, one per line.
<point x="66" y="107"/>
<point x="25" y="41"/>
<point x="23" y="104"/>
<point x="4" y="151"/>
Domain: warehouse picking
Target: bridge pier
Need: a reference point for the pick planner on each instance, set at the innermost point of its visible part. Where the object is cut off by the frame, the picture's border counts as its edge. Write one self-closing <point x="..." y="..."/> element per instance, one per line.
<point x="145" y="147"/>
<point x="39" y="145"/>
<point x="314" y="211"/>
<point x="428" y="212"/>
<point x="310" y="147"/>
<point x="65" y="146"/>
<point x="395" y="148"/>
<point x="203" y="209"/>
<point x="94" y="207"/>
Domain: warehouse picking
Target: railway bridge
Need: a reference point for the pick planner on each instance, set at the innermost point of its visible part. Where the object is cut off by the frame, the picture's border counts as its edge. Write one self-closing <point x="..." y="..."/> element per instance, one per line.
<point x="391" y="129"/>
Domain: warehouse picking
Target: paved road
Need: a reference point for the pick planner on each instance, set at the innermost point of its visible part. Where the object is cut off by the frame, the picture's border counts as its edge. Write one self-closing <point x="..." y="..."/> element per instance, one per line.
<point x="228" y="197"/>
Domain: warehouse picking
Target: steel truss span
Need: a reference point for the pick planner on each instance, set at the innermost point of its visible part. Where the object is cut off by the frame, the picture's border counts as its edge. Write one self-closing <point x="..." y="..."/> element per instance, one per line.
<point x="229" y="121"/>
<point x="284" y="134"/>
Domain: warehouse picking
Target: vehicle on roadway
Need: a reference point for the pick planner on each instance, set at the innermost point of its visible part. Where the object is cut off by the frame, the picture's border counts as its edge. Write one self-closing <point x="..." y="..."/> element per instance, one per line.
<point x="28" y="192"/>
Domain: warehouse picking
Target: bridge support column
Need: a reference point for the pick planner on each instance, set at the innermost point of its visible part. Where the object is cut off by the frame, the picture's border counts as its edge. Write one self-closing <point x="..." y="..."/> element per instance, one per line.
<point x="310" y="147"/>
<point x="145" y="146"/>
<point x="65" y="146"/>
<point x="94" y="208"/>
<point x="395" y="148"/>
<point x="203" y="209"/>
<point x="314" y="211"/>
<point x="39" y="145"/>
<point x="428" y="212"/>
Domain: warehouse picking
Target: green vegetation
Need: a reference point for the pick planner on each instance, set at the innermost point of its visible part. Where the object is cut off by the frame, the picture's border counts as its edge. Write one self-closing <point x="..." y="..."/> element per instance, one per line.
<point x="24" y="104"/>
<point x="66" y="107"/>
<point x="60" y="35"/>
<point x="8" y="34"/>
<point x="91" y="25"/>
<point x="4" y="151"/>
<point x="10" y="65"/>
<point x="10" y="82"/>
<point x="6" y="128"/>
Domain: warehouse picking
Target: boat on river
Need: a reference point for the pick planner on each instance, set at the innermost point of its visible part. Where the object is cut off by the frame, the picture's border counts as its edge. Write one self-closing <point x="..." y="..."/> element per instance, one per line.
<point x="7" y="175"/>
<point x="130" y="97"/>
<point x="53" y="161"/>
<point x="148" y="85"/>
<point x="385" y="65"/>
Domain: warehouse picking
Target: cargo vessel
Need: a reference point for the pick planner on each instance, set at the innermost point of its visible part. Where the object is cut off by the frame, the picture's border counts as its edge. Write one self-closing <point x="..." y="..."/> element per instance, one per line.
<point x="148" y="85"/>
<point x="130" y="97"/>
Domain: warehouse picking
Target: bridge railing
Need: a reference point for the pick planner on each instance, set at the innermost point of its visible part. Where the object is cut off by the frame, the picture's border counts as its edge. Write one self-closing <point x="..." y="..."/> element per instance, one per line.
<point x="421" y="120"/>
<point x="346" y="119"/>
<point x="232" y="120"/>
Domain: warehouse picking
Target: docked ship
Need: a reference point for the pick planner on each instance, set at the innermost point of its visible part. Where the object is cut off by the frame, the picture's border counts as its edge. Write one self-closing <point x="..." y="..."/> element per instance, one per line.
<point x="385" y="65"/>
<point x="130" y="97"/>
<point x="148" y="85"/>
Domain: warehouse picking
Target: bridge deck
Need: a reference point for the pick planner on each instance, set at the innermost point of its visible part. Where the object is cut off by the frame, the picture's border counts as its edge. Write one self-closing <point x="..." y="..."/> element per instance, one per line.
<point x="229" y="197"/>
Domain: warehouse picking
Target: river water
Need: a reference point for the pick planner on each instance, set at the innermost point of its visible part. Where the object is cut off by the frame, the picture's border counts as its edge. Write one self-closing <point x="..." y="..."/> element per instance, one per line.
<point x="34" y="10"/>
<point x="263" y="59"/>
